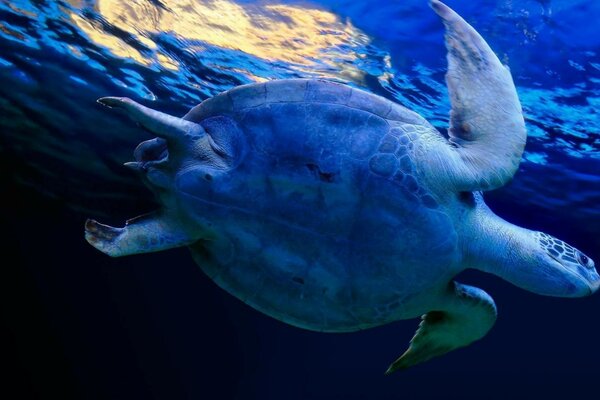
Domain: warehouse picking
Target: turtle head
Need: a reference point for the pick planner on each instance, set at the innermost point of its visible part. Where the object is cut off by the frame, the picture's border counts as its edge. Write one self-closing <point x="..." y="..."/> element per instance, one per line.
<point x="211" y="145"/>
<point x="531" y="260"/>
<point x="561" y="263"/>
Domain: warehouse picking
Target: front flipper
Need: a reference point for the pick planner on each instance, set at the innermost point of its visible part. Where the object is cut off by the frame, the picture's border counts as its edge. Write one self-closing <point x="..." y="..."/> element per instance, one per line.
<point x="466" y="315"/>
<point x="143" y="234"/>
<point x="487" y="127"/>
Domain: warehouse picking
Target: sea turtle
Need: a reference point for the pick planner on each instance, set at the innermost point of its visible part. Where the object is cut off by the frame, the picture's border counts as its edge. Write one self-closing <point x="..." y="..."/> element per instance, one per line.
<point x="335" y="210"/>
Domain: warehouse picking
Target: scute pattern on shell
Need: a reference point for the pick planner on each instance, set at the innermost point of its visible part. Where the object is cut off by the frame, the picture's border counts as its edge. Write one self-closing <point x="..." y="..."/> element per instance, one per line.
<point x="395" y="161"/>
<point x="301" y="90"/>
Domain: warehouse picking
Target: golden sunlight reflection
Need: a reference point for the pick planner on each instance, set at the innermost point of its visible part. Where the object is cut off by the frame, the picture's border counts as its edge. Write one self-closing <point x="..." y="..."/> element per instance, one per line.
<point x="278" y="32"/>
<point x="116" y="45"/>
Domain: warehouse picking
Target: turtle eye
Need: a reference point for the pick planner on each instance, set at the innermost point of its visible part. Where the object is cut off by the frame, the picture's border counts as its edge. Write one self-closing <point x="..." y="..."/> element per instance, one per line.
<point x="583" y="259"/>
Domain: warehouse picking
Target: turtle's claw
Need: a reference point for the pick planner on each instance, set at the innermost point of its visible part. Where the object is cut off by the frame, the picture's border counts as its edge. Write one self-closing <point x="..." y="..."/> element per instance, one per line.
<point x="111" y="102"/>
<point x="102" y="237"/>
<point x="134" y="165"/>
<point x="102" y="231"/>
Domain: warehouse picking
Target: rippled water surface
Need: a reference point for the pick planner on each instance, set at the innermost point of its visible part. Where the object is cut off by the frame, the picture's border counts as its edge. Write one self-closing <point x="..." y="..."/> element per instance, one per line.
<point x="58" y="57"/>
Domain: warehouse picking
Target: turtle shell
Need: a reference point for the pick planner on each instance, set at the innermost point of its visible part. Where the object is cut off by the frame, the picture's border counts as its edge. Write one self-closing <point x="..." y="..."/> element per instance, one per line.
<point x="325" y="210"/>
<point x="300" y="91"/>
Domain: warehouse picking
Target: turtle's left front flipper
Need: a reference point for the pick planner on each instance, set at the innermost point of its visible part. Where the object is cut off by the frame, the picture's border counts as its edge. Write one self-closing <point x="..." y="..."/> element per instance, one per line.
<point x="466" y="314"/>
<point x="487" y="127"/>
<point x="144" y="234"/>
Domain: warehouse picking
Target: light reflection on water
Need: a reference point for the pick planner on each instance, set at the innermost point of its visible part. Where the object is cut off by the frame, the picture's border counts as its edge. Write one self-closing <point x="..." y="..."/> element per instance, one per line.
<point x="57" y="57"/>
<point x="273" y="32"/>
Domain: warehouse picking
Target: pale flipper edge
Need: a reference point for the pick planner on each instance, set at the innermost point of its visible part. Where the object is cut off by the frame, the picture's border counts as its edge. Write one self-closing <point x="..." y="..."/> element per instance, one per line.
<point x="466" y="314"/>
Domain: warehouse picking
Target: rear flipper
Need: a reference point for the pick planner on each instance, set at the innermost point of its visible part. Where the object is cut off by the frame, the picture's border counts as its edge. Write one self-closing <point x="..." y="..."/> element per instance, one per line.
<point x="466" y="315"/>
<point x="144" y="234"/>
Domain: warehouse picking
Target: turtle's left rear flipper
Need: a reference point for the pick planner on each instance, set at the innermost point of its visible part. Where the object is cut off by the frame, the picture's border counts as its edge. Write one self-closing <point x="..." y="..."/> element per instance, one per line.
<point x="143" y="234"/>
<point x="466" y="315"/>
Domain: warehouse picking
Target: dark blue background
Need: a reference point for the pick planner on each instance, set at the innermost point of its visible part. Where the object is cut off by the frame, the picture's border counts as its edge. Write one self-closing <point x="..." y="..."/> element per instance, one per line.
<point x="81" y="325"/>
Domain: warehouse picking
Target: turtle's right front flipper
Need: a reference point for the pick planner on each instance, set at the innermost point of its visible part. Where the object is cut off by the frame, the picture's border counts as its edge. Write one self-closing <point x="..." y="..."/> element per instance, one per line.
<point x="487" y="127"/>
<point x="143" y="234"/>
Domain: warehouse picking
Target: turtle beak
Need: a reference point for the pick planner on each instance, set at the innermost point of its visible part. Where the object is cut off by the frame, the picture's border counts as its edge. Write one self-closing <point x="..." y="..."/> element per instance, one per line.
<point x="594" y="286"/>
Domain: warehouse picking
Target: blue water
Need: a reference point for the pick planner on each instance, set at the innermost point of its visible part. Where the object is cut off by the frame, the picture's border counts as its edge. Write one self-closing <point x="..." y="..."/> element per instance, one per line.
<point x="62" y="154"/>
